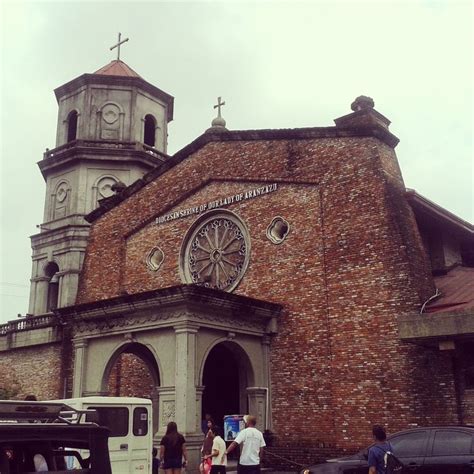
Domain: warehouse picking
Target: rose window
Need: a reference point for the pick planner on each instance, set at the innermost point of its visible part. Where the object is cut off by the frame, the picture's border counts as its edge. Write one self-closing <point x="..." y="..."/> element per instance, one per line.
<point x="216" y="251"/>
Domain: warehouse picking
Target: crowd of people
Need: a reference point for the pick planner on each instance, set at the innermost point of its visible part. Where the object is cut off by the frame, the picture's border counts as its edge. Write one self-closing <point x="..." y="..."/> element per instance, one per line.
<point x="173" y="455"/>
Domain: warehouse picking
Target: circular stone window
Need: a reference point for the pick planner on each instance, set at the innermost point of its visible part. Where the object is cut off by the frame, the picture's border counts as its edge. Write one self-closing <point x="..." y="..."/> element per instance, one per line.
<point x="216" y="251"/>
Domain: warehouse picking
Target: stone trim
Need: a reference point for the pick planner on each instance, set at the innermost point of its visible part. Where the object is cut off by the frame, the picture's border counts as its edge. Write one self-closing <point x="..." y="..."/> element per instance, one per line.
<point x="247" y="135"/>
<point x="174" y="295"/>
<point x="430" y="329"/>
<point x="99" y="150"/>
<point x="124" y="81"/>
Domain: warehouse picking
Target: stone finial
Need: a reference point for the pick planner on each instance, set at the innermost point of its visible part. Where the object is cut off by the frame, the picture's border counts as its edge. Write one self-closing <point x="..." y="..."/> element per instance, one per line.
<point x="218" y="124"/>
<point x="362" y="103"/>
<point x="364" y="115"/>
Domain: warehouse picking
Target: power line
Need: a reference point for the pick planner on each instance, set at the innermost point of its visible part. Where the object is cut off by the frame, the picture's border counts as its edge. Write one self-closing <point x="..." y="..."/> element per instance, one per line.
<point x="14" y="296"/>
<point x="6" y="283"/>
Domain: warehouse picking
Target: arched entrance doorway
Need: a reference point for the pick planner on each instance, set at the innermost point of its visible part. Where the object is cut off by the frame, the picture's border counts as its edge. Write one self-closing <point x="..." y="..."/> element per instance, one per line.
<point x="227" y="374"/>
<point x="132" y="371"/>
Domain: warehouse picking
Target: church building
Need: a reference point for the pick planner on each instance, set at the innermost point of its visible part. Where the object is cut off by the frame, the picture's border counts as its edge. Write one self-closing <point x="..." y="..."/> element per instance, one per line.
<point x="286" y="273"/>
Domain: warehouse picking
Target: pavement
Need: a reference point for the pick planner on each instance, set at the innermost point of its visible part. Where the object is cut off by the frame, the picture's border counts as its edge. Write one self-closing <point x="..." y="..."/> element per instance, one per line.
<point x="232" y="468"/>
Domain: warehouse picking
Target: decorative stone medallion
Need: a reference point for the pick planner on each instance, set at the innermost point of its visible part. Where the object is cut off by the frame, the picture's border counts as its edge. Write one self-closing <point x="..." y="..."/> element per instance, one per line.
<point x="104" y="186"/>
<point x="61" y="192"/>
<point x="110" y="113"/>
<point x="154" y="259"/>
<point x="278" y="230"/>
<point x="216" y="251"/>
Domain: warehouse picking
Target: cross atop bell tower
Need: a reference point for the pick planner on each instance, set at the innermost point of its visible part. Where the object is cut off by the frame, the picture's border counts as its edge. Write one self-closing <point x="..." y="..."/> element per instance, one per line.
<point x="117" y="45"/>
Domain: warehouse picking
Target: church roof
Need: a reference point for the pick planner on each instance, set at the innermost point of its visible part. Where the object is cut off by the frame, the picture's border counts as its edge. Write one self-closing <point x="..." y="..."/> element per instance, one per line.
<point x="456" y="291"/>
<point x="432" y="212"/>
<point x="117" y="68"/>
<point x="242" y="135"/>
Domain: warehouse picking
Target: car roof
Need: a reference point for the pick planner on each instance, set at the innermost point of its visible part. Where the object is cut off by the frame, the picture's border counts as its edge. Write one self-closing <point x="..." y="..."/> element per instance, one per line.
<point x="60" y="433"/>
<point x="431" y="428"/>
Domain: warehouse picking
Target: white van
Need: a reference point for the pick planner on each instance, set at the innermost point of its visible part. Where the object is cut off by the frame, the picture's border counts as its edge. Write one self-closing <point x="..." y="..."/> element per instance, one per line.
<point x="130" y="425"/>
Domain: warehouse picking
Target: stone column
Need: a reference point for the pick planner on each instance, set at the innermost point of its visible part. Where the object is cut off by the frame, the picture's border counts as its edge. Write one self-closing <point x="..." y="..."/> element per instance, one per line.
<point x="80" y="360"/>
<point x="185" y="377"/>
<point x="155" y="409"/>
<point x="69" y="283"/>
<point x="266" y="341"/>
<point x="258" y="405"/>
<point x="40" y="298"/>
<point x="199" y="392"/>
<point x="186" y="393"/>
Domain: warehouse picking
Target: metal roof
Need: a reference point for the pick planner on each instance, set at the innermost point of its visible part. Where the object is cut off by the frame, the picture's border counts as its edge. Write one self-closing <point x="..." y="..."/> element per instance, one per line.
<point x="117" y="68"/>
<point x="457" y="291"/>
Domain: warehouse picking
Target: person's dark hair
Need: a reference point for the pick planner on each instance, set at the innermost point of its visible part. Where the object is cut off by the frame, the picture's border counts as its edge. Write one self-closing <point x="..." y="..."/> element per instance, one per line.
<point x="172" y="432"/>
<point x="379" y="433"/>
<point x="216" y="430"/>
<point x="154" y="452"/>
<point x="31" y="398"/>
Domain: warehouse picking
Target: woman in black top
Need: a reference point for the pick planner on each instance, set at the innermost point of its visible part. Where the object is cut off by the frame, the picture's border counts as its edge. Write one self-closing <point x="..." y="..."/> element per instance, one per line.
<point x="173" y="450"/>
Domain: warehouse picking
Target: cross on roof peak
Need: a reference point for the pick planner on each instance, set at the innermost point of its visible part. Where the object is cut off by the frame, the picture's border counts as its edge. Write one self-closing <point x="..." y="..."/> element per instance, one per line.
<point x="218" y="106"/>
<point x="117" y="45"/>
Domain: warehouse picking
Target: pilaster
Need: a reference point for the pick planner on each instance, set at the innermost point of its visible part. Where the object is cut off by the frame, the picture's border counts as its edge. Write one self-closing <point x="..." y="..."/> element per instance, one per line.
<point x="167" y="409"/>
<point x="80" y="360"/>
<point x="258" y="405"/>
<point x="266" y="342"/>
<point x="185" y="376"/>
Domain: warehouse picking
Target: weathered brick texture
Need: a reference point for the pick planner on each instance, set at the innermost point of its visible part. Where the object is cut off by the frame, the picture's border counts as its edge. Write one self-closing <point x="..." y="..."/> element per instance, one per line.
<point x="130" y="377"/>
<point x="33" y="371"/>
<point x="353" y="261"/>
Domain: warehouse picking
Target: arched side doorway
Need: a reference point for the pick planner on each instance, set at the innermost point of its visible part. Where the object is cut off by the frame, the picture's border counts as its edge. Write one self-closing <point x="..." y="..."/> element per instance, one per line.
<point x="226" y="375"/>
<point x="132" y="371"/>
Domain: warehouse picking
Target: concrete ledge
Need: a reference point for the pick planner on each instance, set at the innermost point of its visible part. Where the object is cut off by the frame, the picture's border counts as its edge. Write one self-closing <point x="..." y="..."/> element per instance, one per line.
<point x="29" y="332"/>
<point x="422" y="328"/>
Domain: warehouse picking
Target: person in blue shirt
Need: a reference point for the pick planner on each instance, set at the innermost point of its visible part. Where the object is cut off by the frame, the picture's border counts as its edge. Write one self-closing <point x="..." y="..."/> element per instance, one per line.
<point x="377" y="450"/>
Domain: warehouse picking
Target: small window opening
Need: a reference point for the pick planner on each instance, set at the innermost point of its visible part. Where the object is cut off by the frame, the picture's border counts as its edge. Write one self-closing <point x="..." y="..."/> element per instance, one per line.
<point x="150" y="127"/>
<point x="278" y="230"/>
<point x="51" y="271"/>
<point x="72" y="126"/>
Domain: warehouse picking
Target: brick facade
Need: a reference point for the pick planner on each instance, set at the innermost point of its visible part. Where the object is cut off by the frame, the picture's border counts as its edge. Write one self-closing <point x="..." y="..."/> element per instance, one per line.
<point x="32" y="371"/>
<point x="352" y="263"/>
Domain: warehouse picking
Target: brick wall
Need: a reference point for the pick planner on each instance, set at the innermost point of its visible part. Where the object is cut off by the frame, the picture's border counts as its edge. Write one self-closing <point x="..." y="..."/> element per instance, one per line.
<point x="352" y="263"/>
<point x="130" y="377"/>
<point x="32" y="371"/>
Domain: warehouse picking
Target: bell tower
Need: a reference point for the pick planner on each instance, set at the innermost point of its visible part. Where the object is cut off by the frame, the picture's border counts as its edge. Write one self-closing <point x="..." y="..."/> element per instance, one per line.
<point x="111" y="130"/>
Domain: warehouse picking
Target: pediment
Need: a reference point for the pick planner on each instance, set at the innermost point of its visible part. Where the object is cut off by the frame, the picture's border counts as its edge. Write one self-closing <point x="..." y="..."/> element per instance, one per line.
<point x="223" y="235"/>
<point x="182" y="305"/>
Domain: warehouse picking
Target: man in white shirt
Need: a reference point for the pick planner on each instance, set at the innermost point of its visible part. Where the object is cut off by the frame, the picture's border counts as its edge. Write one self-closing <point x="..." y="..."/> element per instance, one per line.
<point x="218" y="453"/>
<point x="252" y="443"/>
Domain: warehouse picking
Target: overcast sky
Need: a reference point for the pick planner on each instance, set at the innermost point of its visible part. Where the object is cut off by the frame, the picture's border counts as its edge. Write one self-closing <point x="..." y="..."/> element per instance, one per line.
<point x="276" y="65"/>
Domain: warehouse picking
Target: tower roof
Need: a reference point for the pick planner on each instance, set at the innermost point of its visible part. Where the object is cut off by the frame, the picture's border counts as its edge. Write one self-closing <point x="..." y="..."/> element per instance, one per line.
<point x="117" y="68"/>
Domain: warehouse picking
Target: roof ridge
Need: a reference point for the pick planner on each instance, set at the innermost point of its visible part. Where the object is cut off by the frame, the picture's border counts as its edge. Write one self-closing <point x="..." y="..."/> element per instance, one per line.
<point x="117" y="67"/>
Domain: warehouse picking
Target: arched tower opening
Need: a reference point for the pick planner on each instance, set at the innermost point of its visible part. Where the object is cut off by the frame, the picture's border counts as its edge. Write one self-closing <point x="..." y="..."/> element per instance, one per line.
<point x="72" y="126"/>
<point x="51" y="272"/>
<point x="150" y="128"/>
